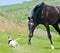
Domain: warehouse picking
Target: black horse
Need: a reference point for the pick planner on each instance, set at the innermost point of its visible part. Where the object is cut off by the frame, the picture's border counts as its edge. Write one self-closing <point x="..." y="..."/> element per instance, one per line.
<point x="46" y="15"/>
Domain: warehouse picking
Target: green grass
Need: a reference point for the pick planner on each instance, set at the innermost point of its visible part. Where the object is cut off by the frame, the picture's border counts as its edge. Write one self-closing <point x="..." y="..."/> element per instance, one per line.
<point x="40" y="43"/>
<point x="18" y="14"/>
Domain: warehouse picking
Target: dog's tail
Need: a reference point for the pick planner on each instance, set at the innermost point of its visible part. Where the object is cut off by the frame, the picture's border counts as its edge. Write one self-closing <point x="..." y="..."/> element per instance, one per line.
<point x="17" y="39"/>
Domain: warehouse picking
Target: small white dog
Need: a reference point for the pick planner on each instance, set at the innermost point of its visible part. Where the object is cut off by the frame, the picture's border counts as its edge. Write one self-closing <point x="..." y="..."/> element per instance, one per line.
<point x="13" y="43"/>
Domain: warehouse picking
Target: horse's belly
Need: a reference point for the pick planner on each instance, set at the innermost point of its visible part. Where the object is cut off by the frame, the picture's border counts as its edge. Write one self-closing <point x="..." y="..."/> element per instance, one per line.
<point x="52" y="20"/>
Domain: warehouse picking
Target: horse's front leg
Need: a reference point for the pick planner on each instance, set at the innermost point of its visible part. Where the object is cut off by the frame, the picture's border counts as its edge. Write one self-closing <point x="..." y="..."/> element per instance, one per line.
<point x="49" y="36"/>
<point x="31" y="30"/>
<point x="29" y="37"/>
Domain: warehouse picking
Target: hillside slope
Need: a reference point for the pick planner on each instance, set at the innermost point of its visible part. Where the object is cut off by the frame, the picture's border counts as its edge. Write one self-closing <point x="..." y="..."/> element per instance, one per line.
<point x="18" y="13"/>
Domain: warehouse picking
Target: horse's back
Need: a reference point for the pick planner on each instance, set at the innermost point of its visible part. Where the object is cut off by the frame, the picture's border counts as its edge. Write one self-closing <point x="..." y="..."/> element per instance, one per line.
<point x="50" y="14"/>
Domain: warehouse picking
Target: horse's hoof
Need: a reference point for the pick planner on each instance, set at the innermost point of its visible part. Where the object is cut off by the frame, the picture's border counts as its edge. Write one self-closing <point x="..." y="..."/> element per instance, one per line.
<point x="29" y="43"/>
<point x="52" y="46"/>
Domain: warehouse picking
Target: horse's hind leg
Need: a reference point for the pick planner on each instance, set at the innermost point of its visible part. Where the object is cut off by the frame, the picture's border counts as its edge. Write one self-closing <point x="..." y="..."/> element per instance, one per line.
<point x="49" y="36"/>
<point x="56" y="28"/>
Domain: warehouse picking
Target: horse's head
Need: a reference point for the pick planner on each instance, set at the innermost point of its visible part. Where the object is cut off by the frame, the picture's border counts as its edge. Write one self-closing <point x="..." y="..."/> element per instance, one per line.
<point x="31" y="26"/>
<point x="31" y="19"/>
<point x="31" y="23"/>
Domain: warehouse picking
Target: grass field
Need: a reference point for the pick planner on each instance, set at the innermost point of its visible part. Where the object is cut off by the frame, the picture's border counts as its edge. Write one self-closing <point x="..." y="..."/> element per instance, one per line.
<point x="40" y="43"/>
<point x="13" y="23"/>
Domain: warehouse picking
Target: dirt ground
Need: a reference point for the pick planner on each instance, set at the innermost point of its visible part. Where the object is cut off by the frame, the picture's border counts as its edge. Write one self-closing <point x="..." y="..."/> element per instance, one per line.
<point x="41" y="32"/>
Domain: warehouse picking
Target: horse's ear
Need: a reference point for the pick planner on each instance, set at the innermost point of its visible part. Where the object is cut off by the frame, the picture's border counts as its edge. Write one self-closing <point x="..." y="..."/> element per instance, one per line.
<point x="28" y="18"/>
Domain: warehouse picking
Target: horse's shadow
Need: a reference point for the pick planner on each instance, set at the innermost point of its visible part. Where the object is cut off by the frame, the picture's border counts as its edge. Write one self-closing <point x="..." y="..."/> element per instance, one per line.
<point x="58" y="48"/>
<point x="46" y="47"/>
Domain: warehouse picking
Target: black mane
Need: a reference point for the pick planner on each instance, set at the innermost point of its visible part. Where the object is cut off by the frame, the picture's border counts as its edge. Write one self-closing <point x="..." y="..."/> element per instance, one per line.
<point x="38" y="8"/>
